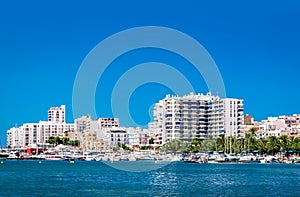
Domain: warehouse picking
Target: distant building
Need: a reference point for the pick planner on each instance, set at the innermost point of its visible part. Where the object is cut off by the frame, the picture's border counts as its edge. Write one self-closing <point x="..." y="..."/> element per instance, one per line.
<point x="278" y="126"/>
<point x="92" y="133"/>
<point x="108" y="122"/>
<point x="32" y="133"/>
<point x="116" y="136"/>
<point x="247" y="119"/>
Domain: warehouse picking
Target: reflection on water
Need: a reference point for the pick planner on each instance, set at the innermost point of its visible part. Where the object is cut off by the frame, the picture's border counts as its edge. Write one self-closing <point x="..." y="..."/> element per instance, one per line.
<point x="137" y="166"/>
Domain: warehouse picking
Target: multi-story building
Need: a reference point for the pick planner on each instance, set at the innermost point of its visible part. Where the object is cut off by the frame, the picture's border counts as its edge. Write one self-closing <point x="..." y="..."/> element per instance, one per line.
<point x="47" y="129"/>
<point x="133" y="136"/>
<point x="233" y="117"/>
<point x="34" y="133"/>
<point x="108" y="122"/>
<point x="278" y="126"/>
<point x="200" y="116"/>
<point x="13" y="137"/>
<point x="115" y="136"/>
<point x="57" y="114"/>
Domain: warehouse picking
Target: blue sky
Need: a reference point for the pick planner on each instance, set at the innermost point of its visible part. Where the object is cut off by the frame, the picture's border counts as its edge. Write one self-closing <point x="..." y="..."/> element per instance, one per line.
<point x="42" y="45"/>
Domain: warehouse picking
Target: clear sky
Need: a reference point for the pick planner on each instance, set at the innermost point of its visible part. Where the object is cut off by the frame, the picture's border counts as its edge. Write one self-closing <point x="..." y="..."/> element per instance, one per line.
<point x="255" y="45"/>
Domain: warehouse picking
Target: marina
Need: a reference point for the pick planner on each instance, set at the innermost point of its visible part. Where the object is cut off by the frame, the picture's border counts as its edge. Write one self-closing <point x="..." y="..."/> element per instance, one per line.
<point x="69" y="153"/>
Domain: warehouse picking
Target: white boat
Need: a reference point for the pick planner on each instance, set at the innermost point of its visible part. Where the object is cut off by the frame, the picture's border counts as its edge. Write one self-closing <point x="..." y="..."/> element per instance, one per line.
<point x="37" y="157"/>
<point x="222" y="158"/>
<point x="90" y="158"/>
<point x="247" y="158"/>
<point x="232" y="157"/>
<point x="14" y="154"/>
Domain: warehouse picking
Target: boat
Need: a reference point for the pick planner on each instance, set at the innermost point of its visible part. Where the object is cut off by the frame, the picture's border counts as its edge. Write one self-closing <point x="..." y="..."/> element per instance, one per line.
<point x="247" y="158"/>
<point x="222" y="158"/>
<point x="36" y="157"/>
<point x="4" y="155"/>
<point x="232" y="157"/>
<point x="14" y="154"/>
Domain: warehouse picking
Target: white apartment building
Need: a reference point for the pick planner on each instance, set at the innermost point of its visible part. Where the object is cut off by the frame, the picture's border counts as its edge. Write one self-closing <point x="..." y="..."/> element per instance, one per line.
<point x="33" y="133"/>
<point x="115" y="136"/>
<point x="278" y="126"/>
<point x="199" y="115"/>
<point x="233" y="117"/>
<point x="57" y="114"/>
<point x="133" y="135"/>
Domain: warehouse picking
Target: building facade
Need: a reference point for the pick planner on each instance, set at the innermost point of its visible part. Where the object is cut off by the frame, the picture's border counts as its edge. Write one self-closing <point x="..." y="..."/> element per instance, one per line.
<point x="199" y="115"/>
<point x="57" y="114"/>
<point x="35" y="133"/>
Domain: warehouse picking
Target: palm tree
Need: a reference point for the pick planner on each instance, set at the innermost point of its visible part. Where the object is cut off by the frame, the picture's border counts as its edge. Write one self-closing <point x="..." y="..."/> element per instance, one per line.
<point x="250" y="141"/>
<point x="252" y="131"/>
<point x="262" y="145"/>
<point x="220" y="143"/>
<point x="273" y="145"/>
<point x="295" y="143"/>
<point x="284" y="142"/>
<point x="208" y="144"/>
<point x="173" y="146"/>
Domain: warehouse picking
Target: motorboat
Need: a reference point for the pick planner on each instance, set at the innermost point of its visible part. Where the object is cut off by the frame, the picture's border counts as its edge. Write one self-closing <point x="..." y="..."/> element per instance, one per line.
<point x="4" y="155"/>
<point x="247" y="158"/>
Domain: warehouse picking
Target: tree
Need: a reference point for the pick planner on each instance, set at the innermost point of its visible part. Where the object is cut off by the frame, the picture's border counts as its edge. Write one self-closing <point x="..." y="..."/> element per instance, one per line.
<point x="172" y="146"/>
<point x="65" y="140"/>
<point x="208" y="144"/>
<point x="74" y="142"/>
<point x="295" y="143"/>
<point x="250" y="141"/>
<point x="252" y="131"/>
<point x="284" y="142"/>
<point x="262" y="145"/>
<point x="273" y="145"/>
<point x="51" y="140"/>
<point x="220" y="143"/>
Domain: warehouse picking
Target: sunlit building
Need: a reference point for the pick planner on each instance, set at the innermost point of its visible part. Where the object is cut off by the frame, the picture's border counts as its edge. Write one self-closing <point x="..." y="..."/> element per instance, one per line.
<point x="196" y="115"/>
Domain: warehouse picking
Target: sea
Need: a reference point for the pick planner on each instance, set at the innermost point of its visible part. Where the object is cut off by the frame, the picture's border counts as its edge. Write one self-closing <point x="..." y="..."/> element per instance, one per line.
<point x="92" y="178"/>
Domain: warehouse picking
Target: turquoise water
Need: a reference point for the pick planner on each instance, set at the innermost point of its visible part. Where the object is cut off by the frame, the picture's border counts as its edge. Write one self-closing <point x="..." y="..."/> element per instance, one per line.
<point x="60" y="178"/>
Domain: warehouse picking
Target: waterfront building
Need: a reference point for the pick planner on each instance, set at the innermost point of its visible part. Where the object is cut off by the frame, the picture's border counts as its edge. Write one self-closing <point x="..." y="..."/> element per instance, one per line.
<point x="116" y="136"/>
<point x="233" y="117"/>
<point x="271" y="127"/>
<point x="36" y="133"/>
<point x="92" y="133"/>
<point x="199" y="115"/>
<point x="89" y="133"/>
<point x="144" y="138"/>
<point x="32" y="133"/>
<point x="133" y="136"/>
<point x="278" y="126"/>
